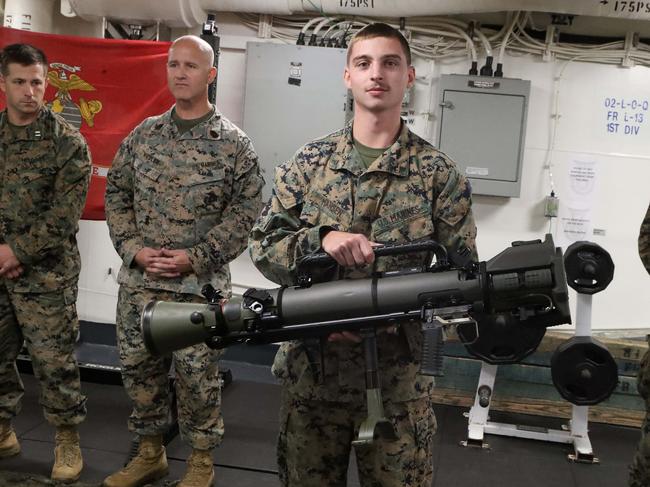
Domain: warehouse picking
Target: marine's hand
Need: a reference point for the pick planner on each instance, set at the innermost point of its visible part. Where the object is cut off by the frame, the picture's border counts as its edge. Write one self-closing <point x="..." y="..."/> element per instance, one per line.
<point x="146" y="256"/>
<point x="9" y="265"/>
<point x="349" y="249"/>
<point x="170" y="263"/>
<point x="345" y="336"/>
<point x="14" y="273"/>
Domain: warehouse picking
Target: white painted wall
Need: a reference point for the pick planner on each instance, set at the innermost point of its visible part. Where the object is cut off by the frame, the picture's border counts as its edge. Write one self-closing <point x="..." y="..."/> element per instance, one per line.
<point x="622" y="191"/>
<point x="623" y="176"/>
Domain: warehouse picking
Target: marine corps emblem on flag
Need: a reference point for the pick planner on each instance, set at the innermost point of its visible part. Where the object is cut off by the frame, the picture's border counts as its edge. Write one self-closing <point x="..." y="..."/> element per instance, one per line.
<point x="65" y="79"/>
<point x="104" y="88"/>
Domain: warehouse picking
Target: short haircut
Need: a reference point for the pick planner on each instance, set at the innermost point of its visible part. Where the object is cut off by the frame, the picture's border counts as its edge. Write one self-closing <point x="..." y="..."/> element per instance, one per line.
<point x="380" y="30"/>
<point x="23" y="54"/>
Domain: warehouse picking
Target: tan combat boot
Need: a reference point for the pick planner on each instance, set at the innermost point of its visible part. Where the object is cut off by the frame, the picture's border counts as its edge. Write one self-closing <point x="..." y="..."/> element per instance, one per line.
<point x="199" y="470"/>
<point x="148" y="465"/>
<point x="9" y="445"/>
<point x="67" y="455"/>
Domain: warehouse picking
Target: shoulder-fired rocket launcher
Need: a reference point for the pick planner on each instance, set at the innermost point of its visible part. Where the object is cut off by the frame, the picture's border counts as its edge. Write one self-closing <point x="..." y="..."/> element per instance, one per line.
<point x="525" y="284"/>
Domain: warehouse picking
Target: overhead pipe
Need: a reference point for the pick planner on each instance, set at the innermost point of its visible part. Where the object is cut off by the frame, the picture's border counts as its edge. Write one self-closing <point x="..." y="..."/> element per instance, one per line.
<point x="191" y="13"/>
<point x="177" y="13"/>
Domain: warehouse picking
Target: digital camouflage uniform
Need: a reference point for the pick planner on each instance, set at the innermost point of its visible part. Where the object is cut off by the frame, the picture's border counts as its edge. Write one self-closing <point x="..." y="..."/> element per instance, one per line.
<point x="43" y="185"/>
<point x="640" y="471"/>
<point x="199" y="191"/>
<point x="411" y="192"/>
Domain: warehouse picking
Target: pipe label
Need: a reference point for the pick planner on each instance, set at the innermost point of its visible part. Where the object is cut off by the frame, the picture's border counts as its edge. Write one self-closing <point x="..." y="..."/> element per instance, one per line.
<point x="357" y="3"/>
<point x="631" y="7"/>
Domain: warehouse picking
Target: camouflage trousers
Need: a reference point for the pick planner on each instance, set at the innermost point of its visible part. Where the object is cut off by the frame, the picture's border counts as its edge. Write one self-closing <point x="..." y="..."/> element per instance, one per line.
<point x="146" y="378"/>
<point x="314" y="444"/>
<point x="48" y="325"/>
<point x="640" y="469"/>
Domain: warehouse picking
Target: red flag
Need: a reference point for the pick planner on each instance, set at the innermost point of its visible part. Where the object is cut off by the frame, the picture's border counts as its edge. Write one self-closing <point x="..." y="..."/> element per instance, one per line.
<point x="105" y="87"/>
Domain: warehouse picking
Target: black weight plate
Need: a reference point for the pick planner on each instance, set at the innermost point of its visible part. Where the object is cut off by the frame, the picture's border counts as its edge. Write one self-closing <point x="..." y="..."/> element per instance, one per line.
<point x="583" y="371"/>
<point x="589" y="267"/>
<point x="503" y="339"/>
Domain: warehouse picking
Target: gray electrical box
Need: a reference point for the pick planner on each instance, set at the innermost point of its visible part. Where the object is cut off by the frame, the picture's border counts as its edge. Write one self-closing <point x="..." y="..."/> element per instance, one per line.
<point x="293" y="95"/>
<point x="483" y="127"/>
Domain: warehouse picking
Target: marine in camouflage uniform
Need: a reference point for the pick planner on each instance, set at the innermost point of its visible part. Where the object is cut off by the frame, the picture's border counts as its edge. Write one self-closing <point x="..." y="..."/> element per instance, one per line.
<point x="46" y="169"/>
<point x="193" y="186"/>
<point x="182" y="193"/>
<point x="411" y="192"/>
<point x="339" y="194"/>
<point x="640" y="470"/>
<point x="644" y="241"/>
<point x="45" y="166"/>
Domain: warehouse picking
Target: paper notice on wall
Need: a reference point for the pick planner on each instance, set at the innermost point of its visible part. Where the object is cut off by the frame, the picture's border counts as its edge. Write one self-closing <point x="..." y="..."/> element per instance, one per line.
<point x="575" y="219"/>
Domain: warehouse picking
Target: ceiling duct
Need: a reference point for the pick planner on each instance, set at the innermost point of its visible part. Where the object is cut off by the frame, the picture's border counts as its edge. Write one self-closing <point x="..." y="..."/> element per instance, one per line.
<point x="191" y="13"/>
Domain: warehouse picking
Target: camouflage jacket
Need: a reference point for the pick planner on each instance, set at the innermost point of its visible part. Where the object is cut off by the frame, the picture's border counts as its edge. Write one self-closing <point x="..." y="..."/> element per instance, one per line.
<point x="199" y="191"/>
<point x="644" y="241"/>
<point x="45" y="175"/>
<point x="412" y="192"/>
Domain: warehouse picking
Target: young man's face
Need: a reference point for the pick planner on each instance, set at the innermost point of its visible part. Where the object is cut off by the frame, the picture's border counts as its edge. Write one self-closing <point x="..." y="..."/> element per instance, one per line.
<point x="189" y="72"/>
<point x="24" y="89"/>
<point x="378" y="74"/>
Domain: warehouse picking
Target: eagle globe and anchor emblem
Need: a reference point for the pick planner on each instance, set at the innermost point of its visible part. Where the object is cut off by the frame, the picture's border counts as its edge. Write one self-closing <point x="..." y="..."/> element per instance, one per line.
<point x="63" y="77"/>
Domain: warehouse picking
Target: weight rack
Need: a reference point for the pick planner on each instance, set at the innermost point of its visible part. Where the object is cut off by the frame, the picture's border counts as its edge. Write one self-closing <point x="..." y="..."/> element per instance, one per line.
<point x="589" y="270"/>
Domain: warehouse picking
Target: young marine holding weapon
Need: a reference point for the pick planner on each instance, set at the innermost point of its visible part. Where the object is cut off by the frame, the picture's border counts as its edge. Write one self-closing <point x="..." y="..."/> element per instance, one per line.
<point x="373" y="181"/>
